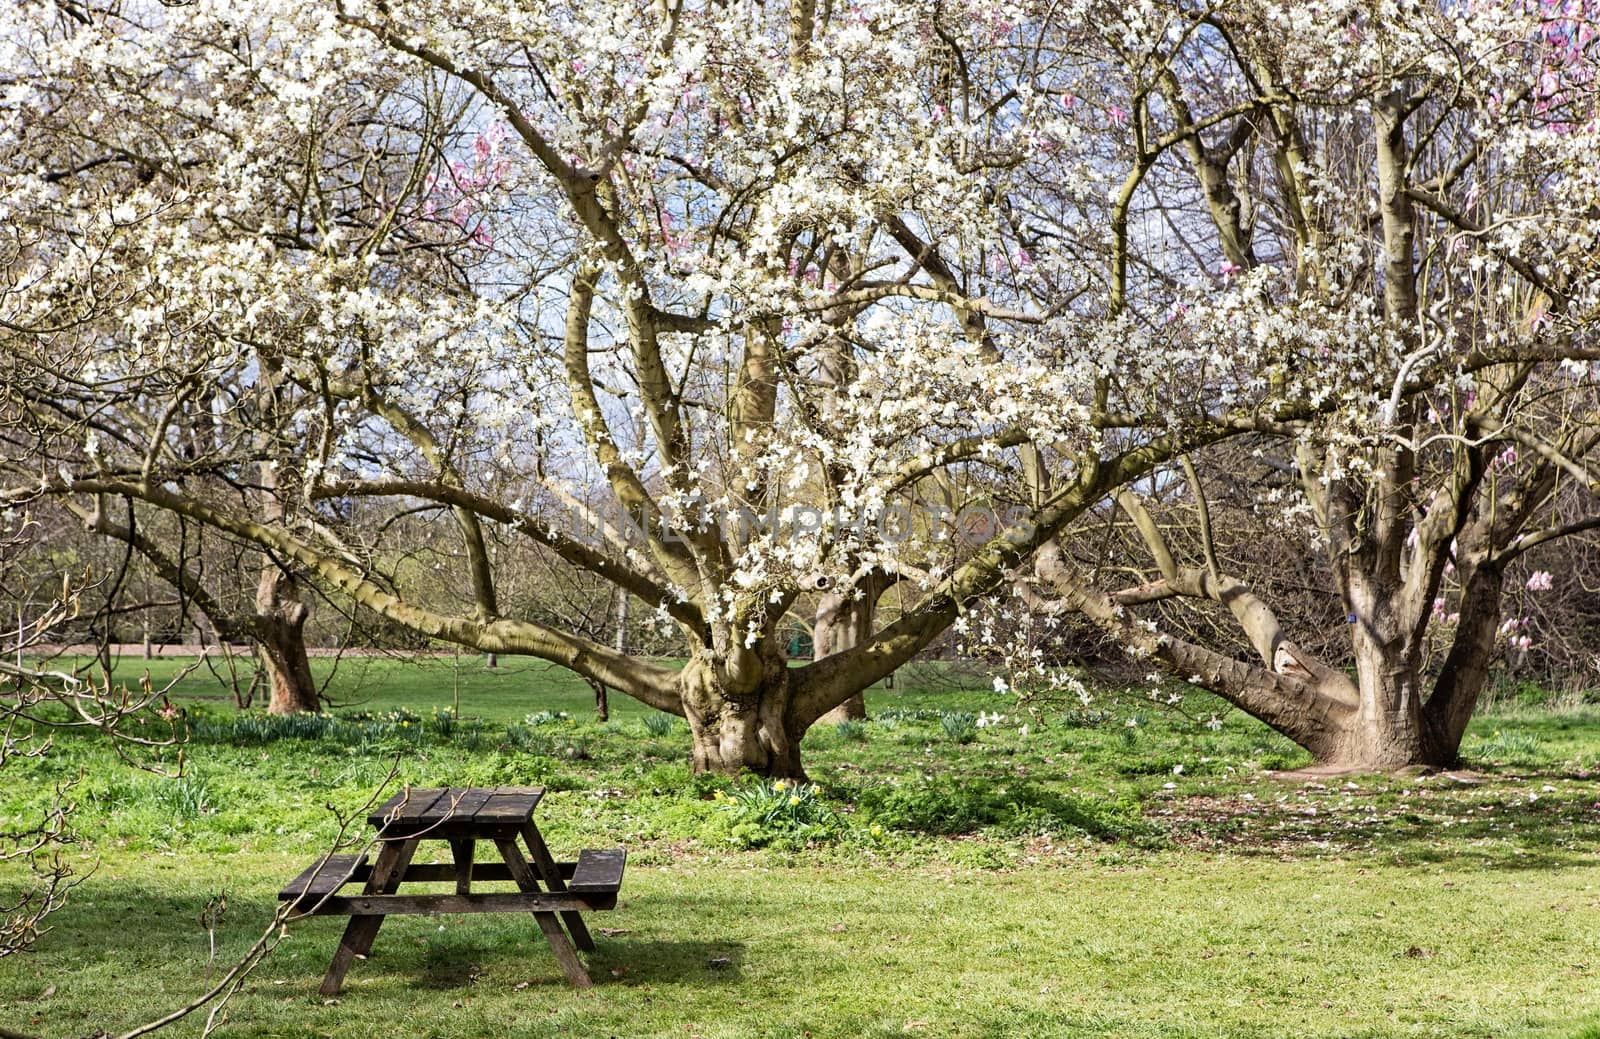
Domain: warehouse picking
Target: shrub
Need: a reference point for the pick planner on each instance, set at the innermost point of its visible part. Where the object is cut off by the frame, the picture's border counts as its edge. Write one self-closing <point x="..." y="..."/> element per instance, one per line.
<point x="186" y="797"/>
<point x="659" y="723"/>
<point x="244" y="729"/>
<point x="852" y="730"/>
<point x="1518" y="747"/>
<point x="777" y="812"/>
<point x="667" y="779"/>
<point x="521" y="737"/>
<point x="183" y="798"/>
<point x="959" y="726"/>
<point x="539" y="718"/>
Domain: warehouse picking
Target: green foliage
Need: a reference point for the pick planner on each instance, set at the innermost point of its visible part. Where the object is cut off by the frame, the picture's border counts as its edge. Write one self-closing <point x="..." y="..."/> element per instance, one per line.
<point x="521" y="737"/>
<point x="851" y="731"/>
<point x="1506" y="748"/>
<point x="959" y="726"/>
<point x="539" y="718"/>
<point x="659" y="724"/>
<point x="183" y="798"/>
<point x="1005" y="810"/>
<point x="1021" y="847"/>
<point x="673" y="778"/>
<point x="777" y="812"/>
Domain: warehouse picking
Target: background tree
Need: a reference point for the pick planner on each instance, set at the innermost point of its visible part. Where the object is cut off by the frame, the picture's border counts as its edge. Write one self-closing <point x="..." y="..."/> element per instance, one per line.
<point x="632" y="282"/>
<point x="1431" y="181"/>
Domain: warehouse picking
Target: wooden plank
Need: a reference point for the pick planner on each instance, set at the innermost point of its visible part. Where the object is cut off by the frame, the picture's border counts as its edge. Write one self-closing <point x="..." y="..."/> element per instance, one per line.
<point x="571" y="966"/>
<point x="541" y="902"/>
<point x="404" y="811"/>
<point x="325" y="876"/>
<point x="460" y="803"/>
<point x="553" y="878"/>
<point x="456" y="812"/>
<point x="482" y="872"/>
<point x="461" y="851"/>
<point x="509" y="805"/>
<point x="598" y="871"/>
<point x="393" y="858"/>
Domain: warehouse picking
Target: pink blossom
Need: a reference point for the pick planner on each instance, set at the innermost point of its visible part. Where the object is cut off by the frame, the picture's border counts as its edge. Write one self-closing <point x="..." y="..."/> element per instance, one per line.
<point x="1541" y="581"/>
<point x="1228" y="270"/>
<point x="1118" y="114"/>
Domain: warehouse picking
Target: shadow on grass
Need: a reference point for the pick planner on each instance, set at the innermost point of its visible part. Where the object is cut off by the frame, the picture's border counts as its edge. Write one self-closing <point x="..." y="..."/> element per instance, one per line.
<point x="120" y="927"/>
<point x="1521" y="821"/>
<point x="655" y="962"/>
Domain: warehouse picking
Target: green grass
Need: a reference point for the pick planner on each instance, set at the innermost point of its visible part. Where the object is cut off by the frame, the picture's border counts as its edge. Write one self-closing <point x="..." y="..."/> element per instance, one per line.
<point x="1155" y="879"/>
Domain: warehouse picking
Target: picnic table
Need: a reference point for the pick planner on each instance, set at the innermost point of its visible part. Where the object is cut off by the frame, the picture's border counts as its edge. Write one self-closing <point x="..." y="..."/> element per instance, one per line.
<point x="460" y="816"/>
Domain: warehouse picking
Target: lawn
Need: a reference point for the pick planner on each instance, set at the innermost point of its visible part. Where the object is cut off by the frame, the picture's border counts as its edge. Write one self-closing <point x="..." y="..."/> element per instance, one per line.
<point x="1092" y="877"/>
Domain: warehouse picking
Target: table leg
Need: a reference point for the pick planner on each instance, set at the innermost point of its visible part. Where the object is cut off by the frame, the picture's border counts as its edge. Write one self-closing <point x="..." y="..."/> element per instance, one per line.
<point x="393" y="859"/>
<point x="461" y="851"/>
<point x="571" y="966"/>
<point x="546" y="865"/>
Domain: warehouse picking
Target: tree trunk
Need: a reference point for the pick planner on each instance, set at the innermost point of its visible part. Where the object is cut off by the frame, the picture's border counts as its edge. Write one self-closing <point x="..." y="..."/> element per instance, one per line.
<point x="1385" y="732"/>
<point x="619" y="642"/>
<point x="747" y="729"/>
<point x="280" y="634"/>
<point x="842" y="623"/>
<point x="1466" y="666"/>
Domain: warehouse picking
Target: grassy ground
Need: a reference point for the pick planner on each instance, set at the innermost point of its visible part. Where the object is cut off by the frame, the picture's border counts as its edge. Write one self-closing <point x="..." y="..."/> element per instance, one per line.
<point x="1095" y="878"/>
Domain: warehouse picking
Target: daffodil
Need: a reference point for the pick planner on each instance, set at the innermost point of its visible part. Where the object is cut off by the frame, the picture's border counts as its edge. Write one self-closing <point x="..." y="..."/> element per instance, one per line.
<point x="794" y="800"/>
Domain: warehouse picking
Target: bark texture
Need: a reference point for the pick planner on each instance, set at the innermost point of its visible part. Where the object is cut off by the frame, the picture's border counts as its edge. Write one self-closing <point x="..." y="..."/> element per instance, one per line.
<point x="743" y="721"/>
<point x="844" y="621"/>
<point x="279" y="627"/>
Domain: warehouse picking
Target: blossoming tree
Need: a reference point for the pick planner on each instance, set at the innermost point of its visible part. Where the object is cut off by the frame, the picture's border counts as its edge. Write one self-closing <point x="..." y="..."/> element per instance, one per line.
<point x="1428" y="174"/>
<point x="734" y="304"/>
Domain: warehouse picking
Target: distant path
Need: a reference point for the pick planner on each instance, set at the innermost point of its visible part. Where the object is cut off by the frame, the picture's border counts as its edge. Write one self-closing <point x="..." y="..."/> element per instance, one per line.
<point x="193" y="649"/>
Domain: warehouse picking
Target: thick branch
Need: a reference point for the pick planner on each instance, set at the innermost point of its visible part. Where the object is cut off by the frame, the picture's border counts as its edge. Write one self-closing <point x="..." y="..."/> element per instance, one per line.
<point x="648" y="683"/>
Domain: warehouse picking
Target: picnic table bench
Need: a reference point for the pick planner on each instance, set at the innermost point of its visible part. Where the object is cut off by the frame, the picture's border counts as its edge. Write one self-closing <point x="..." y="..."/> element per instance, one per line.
<point x="461" y="816"/>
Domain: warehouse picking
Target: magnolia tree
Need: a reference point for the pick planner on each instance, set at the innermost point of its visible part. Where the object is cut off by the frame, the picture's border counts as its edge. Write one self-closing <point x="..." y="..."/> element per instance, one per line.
<point x="1427" y="177"/>
<point x="732" y="305"/>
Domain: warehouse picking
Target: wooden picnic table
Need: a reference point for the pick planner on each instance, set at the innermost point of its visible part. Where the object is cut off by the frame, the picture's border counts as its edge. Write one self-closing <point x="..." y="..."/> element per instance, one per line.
<point x="461" y="816"/>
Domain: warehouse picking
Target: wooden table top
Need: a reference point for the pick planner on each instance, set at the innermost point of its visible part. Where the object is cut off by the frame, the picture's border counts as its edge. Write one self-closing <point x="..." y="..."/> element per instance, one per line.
<point x="457" y="811"/>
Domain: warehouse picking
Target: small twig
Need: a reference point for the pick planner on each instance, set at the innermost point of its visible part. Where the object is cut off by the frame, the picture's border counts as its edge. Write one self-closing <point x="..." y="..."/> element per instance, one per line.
<point x="217" y="996"/>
